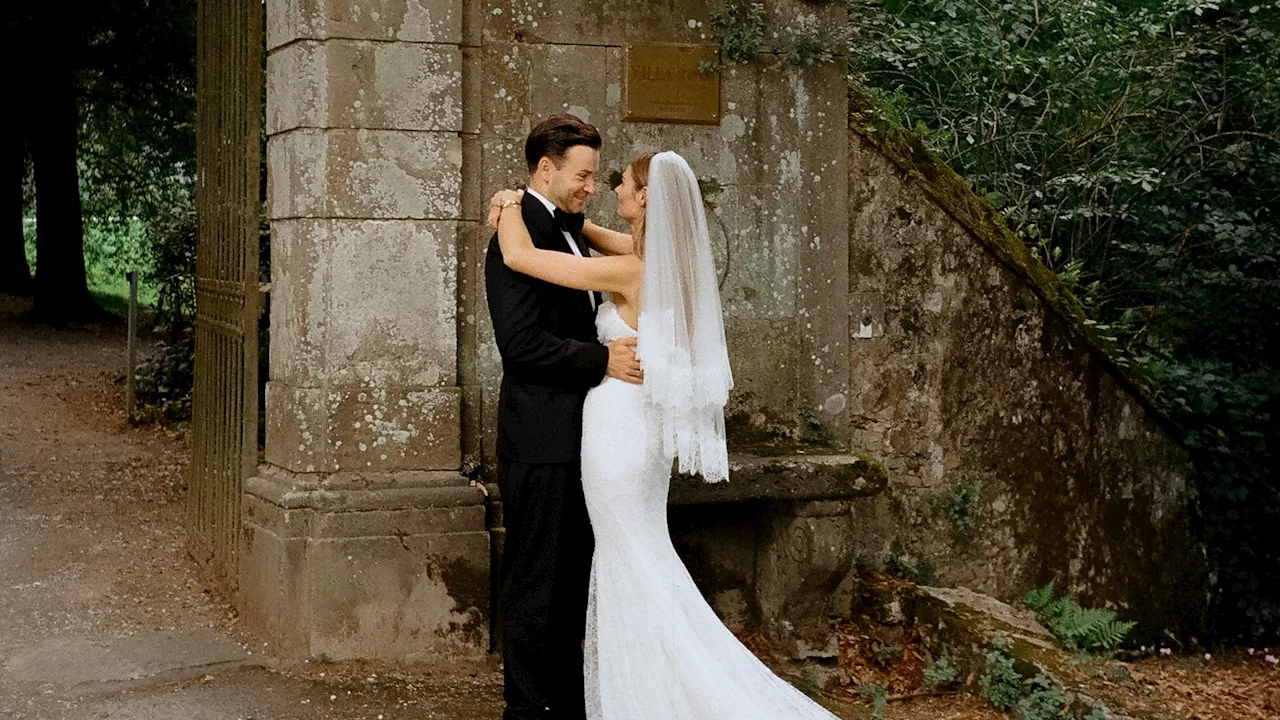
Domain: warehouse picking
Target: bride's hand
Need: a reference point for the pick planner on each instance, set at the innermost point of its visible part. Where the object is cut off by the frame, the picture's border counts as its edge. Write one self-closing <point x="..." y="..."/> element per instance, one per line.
<point x="495" y="205"/>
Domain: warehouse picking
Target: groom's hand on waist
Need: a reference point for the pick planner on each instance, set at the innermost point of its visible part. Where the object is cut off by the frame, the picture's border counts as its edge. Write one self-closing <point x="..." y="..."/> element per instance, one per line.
<point x="623" y="364"/>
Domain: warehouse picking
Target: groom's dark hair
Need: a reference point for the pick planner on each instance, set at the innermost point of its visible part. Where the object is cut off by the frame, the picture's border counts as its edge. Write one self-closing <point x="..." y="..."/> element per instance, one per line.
<point x="553" y="137"/>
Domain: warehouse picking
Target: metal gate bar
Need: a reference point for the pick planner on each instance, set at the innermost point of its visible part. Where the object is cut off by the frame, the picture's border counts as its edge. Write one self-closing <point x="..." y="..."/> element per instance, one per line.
<point x="224" y="411"/>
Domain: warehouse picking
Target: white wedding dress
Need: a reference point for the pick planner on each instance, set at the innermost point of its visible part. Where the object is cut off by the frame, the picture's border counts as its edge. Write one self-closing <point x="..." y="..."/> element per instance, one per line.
<point x="655" y="650"/>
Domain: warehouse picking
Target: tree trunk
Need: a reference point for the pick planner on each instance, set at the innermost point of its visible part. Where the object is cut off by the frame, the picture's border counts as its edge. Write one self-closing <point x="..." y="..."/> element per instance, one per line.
<point x="15" y="273"/>
<point x="61" y="290"/>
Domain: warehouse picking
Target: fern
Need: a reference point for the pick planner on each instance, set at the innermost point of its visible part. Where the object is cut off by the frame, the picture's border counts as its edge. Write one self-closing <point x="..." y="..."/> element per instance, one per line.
<point x="1079" y="629"/>
<point x="1038" y="601"/>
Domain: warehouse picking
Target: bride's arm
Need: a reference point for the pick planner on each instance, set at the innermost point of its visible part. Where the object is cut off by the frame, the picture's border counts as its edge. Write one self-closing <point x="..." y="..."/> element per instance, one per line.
<point x="618" y="274"/>
<point x="606" y="241"/>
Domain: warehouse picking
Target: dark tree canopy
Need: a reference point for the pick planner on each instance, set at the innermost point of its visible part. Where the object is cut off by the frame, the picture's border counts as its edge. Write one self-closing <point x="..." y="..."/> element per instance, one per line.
<point x="1136" y="147"/>
<point x="108" y="126"/>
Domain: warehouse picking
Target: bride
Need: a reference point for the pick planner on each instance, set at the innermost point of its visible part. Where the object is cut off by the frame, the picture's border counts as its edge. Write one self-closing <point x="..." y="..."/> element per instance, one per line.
<point x="655" y="650"/>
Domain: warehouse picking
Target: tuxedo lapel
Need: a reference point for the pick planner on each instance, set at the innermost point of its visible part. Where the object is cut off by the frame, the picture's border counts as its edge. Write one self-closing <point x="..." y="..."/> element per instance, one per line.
<point x="541" y="225"/>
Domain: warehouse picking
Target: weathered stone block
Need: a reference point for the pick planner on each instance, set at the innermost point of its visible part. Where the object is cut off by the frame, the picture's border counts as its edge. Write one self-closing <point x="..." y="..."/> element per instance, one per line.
<point x="765" y="357"/>
<point x="579" y="22"/>
<point x="317" y="430"/>
<point x="700" y="145"/>
<point x="581" y="80"/>
<point x="396" y="428"/>
<point x="406" y="597"/>
<point x="505" y="70"/>
<point x="472" y="92"/>
<point x="298" y="429"/>
<point x="424" y="21"/>
<point x="272" y="595"/>
<point x="762" y="258"/>
<point x="406" y="332"/>
<point x="330" y="327"/>
<point x="365" y="174"/>
<point x="299" y="301"/>
<point x="395" y="573"/>
<point x="359" y="84"/>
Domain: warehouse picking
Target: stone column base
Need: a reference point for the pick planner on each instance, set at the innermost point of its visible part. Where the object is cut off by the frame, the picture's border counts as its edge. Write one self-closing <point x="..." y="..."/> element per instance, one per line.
<point x="393" y="566"/>
<point x="804" y="569"/>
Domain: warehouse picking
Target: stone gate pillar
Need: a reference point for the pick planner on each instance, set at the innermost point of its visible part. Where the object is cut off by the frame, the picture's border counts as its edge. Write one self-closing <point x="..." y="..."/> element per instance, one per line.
<point x="362" y="539"/>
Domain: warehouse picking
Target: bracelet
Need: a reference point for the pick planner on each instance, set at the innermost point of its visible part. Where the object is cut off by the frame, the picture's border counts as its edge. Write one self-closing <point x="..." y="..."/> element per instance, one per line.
<point x="508" y="204"/>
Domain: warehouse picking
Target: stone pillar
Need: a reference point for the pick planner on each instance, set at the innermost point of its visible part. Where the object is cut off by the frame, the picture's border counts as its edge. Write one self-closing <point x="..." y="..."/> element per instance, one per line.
<point x="362" y="538"/>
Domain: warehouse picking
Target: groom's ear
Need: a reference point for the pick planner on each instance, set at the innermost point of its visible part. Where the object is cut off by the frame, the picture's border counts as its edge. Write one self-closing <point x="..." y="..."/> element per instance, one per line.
<point x="545" y="167"/>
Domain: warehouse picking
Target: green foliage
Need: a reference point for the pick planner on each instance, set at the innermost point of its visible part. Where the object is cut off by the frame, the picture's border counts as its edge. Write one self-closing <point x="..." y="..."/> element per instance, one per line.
<point x="961" y="506"/>
<point x="886" y="654"/>
<point x="911" y="568"/>
<point x="878" y="694"/>
<point x="739" y="28"/>
<point x="1001" y="683"/>
<point x="1044" y="701"/>
<point x="1096" y="714"/>
<point x="165" y="379"/>
<point x="1134" y="148"/>
<point x="940" y="673"/>
<point x="810" y="42"/>
<point x="1041" y="600"/>
<point x="1094" y="630"/>
<point x="810" y="683"/>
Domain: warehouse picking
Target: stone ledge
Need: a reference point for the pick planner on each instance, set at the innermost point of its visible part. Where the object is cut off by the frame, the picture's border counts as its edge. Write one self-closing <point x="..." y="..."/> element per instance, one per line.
<point x="783" y="478"/>
<point x="349" y="492"/>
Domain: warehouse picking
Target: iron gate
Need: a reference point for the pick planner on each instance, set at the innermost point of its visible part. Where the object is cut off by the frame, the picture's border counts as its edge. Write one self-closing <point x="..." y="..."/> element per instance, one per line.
<point x="224" y="412"/>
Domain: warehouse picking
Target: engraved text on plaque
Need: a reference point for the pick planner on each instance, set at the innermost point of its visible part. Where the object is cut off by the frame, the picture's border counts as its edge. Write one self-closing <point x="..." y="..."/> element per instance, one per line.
<point x="673" y="84"/>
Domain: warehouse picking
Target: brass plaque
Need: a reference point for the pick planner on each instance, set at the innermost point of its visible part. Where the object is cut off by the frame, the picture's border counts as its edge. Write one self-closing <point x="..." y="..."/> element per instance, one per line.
<point x="671" y="83"/>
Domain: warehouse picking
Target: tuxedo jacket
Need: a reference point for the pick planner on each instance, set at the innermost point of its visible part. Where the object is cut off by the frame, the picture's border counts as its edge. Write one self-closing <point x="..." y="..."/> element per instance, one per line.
<point x="546" y="335"/>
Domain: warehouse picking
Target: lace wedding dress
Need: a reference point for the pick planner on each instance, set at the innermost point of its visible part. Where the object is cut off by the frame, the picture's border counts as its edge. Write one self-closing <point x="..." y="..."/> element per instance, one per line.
<point x="655" y="650"/>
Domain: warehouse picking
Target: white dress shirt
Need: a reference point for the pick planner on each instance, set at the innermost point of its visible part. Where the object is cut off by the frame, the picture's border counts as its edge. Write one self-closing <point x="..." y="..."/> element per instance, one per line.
<point x="573" y="245"/>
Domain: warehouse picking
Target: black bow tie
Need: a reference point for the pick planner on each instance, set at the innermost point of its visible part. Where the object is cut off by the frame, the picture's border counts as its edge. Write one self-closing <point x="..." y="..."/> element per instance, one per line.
<point x="569" y="222"/>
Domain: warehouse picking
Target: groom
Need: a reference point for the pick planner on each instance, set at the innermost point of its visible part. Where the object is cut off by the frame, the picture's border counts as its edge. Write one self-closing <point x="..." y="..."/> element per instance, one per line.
<point x="550" y="359"/>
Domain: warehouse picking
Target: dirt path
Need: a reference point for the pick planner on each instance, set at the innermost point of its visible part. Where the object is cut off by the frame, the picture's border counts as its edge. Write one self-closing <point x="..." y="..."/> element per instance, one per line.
<point x="102" y="614"/>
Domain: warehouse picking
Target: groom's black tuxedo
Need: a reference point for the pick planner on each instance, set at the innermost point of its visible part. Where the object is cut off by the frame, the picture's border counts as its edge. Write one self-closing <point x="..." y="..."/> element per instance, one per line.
<point x="546" y="335"/>
<point x="550" y="359"/>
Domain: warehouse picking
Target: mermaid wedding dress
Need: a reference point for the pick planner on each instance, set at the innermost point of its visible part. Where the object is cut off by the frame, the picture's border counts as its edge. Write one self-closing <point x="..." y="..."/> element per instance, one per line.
<point x="655" y="650"/>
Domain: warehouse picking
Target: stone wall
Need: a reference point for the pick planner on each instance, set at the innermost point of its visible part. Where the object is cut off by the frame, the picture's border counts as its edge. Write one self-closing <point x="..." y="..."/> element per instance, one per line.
<point x="779" y="228"/>
<point x="1017" y="453"/>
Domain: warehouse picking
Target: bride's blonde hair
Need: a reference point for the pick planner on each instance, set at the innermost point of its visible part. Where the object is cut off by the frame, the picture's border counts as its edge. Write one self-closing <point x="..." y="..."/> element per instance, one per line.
<point x="640" y="172"/>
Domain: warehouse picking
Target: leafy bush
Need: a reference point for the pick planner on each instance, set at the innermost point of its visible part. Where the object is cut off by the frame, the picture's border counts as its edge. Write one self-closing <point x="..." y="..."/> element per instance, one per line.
<point x="1001" y="683"/>
<point x="961" y="506"/>
<point x="886" y="654"/>
<point x="1044" y="701"/>
<point x="940" y="673"/>
<point x="878" y="694"/>
<point x="911" y="568"/>
<point x="739" y="27"/>
<point x="165" y="379"/>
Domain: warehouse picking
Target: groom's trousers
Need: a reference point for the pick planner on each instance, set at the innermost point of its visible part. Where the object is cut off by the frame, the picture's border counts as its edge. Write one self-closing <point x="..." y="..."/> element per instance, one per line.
<point x="546" y="569"/>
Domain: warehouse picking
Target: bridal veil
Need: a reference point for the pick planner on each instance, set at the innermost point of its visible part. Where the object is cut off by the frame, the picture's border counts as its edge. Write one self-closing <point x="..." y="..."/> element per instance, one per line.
<point x="682" y="344"/>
